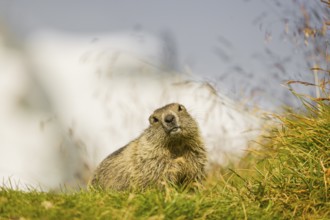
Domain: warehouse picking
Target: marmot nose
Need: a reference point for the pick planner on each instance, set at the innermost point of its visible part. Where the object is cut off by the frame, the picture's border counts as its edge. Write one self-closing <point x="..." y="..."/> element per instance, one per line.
<point x="169" y="118"/>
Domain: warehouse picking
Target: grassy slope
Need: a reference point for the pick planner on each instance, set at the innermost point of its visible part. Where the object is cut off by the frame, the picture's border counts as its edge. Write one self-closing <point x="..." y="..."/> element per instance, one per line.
<point x="288" y="179"/>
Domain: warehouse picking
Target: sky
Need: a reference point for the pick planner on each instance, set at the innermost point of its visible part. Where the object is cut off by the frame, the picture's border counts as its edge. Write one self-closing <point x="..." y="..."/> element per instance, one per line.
<point x="231" y="43"/>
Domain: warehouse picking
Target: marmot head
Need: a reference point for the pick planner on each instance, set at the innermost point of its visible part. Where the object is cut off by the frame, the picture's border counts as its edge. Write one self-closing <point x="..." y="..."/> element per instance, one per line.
<point x="173" y="122"/>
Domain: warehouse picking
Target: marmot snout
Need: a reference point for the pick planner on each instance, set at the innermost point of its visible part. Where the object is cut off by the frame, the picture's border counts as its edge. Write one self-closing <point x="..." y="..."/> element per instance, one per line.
<point x="170" y="150"/>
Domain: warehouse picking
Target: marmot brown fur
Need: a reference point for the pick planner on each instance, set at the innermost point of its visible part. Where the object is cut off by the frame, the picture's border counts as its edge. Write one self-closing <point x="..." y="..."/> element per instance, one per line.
<point x="170" y="151"/>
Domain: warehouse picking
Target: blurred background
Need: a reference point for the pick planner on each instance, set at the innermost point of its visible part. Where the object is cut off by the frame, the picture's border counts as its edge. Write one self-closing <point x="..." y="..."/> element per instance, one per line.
<point x="72" y="73"/>
<point x="239" y="45"/>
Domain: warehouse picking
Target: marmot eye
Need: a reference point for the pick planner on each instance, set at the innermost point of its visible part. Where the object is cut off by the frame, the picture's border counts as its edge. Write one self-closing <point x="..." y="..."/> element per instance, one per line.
<point x="153" y="119"/>
<point x="181" y="108"/>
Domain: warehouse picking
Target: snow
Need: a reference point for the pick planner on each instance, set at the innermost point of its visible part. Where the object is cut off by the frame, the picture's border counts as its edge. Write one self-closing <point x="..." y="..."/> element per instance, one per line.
<point x="99" y="93"/>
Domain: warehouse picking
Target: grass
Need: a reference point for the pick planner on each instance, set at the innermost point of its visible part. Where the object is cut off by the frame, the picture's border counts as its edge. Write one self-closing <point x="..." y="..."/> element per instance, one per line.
<point x="288" y="178"/>
<point x="216" y="202"/>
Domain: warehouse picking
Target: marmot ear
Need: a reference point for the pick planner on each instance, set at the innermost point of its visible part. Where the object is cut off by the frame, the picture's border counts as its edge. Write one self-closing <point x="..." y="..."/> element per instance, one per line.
<point x="181" y="108"/>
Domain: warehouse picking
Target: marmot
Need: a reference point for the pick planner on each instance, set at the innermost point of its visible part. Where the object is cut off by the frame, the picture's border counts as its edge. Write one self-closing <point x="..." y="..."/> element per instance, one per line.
<point x="169" y="152"/>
